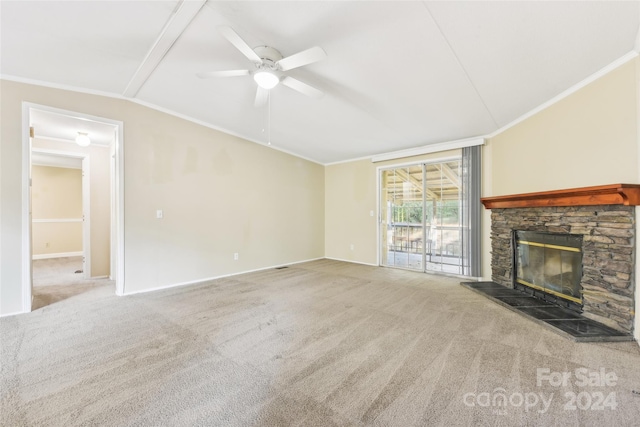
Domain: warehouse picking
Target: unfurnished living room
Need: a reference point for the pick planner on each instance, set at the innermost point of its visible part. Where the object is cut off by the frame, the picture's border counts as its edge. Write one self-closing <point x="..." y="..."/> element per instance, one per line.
<point x="319" y="213"/>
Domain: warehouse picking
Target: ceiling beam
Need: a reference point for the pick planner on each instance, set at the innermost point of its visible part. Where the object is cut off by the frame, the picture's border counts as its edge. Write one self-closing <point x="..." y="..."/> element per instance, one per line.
<point x="418" y="184"/>
<point x="449" y="173"/>
<point x="179" y="20"/>
<point x="462" y="66"/>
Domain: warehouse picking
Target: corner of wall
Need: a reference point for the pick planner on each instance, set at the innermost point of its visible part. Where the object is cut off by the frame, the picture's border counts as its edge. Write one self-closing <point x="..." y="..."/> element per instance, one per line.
<point x="636" y="326"/>
<point x="636" y="329"/>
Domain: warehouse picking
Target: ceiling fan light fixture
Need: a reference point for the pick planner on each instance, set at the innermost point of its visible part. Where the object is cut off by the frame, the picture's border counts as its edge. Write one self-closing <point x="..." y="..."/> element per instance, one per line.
<point x="82" y="139"/>
<point x="266" y="79"/>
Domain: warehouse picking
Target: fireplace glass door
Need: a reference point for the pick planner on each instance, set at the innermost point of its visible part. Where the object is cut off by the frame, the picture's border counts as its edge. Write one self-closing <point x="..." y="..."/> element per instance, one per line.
<point x="551" y="263"/>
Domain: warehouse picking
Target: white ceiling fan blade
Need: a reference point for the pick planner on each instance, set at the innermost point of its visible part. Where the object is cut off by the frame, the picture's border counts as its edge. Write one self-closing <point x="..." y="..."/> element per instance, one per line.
<point x="299" y="59"/>
<point x="226" y="73"/>
<point x="262" y="95"/>
<point x="240" y="44"/>
<point x="303" y="88"/>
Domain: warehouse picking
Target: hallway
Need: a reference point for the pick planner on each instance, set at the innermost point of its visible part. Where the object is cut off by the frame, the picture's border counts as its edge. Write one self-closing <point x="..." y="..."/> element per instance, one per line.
<point x="57" y="279"/>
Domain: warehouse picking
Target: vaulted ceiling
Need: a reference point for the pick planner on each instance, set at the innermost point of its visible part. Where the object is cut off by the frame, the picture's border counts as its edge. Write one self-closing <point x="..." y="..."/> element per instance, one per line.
<point x="397" y="74"/>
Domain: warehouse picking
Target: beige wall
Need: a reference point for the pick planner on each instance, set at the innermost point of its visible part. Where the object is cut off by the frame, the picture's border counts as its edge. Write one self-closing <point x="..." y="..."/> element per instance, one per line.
<point x="350" y="196"/>
<point x="220" y="195"/>
<point x="99" y="198"/>
<point x="56" y="194"/>
<point x="588" y="138"/>
<point x="56" y="239"/>
<point x="349" y="199"/>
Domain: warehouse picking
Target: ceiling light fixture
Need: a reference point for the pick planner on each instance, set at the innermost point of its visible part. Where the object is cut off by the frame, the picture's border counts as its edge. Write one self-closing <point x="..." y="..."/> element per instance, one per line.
<point x="82" y="139"/>
<point x="266" y="79"/>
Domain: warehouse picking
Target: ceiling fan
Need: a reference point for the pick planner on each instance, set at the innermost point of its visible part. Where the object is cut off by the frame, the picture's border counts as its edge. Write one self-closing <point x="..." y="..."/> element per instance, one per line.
<point x="270" y="67"/>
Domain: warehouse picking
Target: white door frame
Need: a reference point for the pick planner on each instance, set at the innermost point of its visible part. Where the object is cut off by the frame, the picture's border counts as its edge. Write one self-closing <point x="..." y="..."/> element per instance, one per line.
<point x="117" y="220"/>
<point x="86" y="202"/>
<point x="86" y="217"/>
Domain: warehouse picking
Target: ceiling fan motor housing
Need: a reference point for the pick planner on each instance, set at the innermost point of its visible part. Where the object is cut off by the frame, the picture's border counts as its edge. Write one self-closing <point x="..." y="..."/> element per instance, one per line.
<point x="269" y="56"/>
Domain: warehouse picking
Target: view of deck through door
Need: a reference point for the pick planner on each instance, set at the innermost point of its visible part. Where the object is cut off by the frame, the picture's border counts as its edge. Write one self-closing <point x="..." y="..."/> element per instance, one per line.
<point x="421" y="217"/>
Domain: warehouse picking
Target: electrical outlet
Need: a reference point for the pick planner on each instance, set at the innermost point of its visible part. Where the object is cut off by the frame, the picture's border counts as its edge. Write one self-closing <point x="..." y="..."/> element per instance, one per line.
<point x="370" y="213"/>
<point x="235" y="256"/>
<point x="159" y="214"/>
<point x="352" y="247"/>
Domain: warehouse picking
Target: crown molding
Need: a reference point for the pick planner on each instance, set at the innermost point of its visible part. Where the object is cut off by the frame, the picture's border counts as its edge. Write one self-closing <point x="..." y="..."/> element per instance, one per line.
<point x="153" y="107"/>
<point x="431" y="148"/>
<point x="60" y="86"/>
<point x="595" y="76"/>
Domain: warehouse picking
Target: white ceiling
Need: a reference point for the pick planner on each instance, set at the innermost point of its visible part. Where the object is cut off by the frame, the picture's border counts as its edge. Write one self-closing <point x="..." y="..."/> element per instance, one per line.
<point x="56" y="161"/>
<point x="47" y="124"/>
<point x="398" y="74"/>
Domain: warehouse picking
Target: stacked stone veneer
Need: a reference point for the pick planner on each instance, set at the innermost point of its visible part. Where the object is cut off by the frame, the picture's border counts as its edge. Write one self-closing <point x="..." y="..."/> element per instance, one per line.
<point x="608" y="253"/>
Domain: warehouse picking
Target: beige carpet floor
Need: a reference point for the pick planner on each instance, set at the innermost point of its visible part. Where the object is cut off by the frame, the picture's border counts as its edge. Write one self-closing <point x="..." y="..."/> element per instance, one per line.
<point x="56" y="279"/>
<point x="323" y="343"/>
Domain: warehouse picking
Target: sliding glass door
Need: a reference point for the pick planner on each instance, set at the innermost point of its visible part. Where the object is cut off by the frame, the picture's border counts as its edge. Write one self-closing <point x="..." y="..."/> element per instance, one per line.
<point x="421" y="217"/>
<point x="402" y="210"/>
<point x="442" y="222"/>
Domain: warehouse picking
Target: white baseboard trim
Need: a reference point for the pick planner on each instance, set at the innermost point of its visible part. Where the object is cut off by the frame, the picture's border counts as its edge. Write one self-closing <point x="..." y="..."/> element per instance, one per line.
<point x="208" y="279"/>
<point x="58" y="255"/>
<point x="435" y="273"/>
<point x="352" y="261"/>
<point x="13" y="314"/>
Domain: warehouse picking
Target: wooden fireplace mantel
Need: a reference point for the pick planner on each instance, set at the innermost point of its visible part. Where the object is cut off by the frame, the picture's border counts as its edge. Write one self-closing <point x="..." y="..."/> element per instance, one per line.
<point x="614" y="194"/>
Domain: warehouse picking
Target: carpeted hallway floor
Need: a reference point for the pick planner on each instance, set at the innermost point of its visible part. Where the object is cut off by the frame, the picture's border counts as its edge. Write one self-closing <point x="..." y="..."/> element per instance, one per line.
<point x="322" y="343"/>
<point x="56" y="279"/>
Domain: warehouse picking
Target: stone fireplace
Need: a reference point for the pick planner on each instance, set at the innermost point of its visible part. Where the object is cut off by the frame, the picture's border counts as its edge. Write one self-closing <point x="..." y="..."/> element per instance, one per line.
<point x="596" y="223"/>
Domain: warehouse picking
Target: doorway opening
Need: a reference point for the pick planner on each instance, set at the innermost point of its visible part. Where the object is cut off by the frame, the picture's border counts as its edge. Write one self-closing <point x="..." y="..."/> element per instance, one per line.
<point x="429" y="215"/>
<point x="421" y="212"/>
<point x="72" y="205"/>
